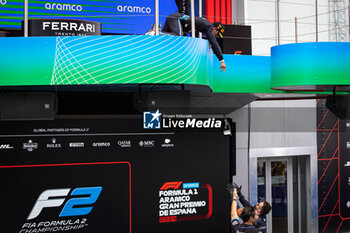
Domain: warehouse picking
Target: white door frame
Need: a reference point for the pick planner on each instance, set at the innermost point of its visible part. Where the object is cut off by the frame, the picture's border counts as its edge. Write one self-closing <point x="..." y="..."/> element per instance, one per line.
<point x="311" y="152"/>
<point x="268" y="190"/>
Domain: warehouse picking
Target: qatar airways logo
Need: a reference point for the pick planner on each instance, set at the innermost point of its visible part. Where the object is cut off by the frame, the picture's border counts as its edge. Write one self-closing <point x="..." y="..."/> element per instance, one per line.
<point x="53" y="198"/>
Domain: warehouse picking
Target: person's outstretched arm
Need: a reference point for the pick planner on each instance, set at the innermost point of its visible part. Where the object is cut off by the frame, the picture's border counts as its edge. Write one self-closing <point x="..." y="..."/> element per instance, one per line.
<point x="213" y="41"/>
<point x="244" y="201"/>
<point x="204" y="26"/>
<point x="234" y="214"/>
<point x="242" y="198"/>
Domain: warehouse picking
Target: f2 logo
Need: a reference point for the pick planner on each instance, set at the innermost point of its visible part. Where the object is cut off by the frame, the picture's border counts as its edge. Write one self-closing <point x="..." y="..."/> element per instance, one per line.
<point x="46" y="199"/>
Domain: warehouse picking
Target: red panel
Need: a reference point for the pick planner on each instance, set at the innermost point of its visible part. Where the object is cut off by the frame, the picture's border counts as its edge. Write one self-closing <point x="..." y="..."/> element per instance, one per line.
<point x="223" y="12"/>
<point x="217" y="10"/>
<point x="209" y="10"/>
<point x="228" y="12"/>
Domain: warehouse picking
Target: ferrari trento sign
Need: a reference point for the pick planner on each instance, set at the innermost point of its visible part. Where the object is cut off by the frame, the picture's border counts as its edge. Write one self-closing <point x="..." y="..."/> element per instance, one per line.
<point x="63" y="27"/>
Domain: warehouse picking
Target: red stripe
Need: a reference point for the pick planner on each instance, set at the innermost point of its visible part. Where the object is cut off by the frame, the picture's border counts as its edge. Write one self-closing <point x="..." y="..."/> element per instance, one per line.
<point x="210" y="190"/>
<point x="339" y="168"/>
<point x="328" y="165"/>
<point x="327" y="159"/>
<point x="324" y="130"/>
<point x="319" y="125"/>
<point x="325" y="227"/>
<point x="328" y="194"/>
<point x="339" y="226"/>
<point x="228" y="12"/>
<point x="223" y="12"/>
<point x="209" y="10"/>
<point x="328" y="215"/>
<point x="324" y="144"/>
<point x="217" y="11"/>
<point x="63" y="164"/>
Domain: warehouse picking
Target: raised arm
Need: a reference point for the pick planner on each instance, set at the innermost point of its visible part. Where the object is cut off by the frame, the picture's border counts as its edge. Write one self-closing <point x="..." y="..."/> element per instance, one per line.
<point x="244" y="201"/>
<point x="242" y="198"/>
<point x="213" y="41"/>
<point x="234" y="214"/>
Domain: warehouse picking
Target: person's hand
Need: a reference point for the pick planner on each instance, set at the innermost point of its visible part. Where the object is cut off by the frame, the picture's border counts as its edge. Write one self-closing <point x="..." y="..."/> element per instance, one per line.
<point x="234" y="196"/>
<point x="230" y="188"/>
<point x="223" y="66"/>
<point x="239" y="189"/>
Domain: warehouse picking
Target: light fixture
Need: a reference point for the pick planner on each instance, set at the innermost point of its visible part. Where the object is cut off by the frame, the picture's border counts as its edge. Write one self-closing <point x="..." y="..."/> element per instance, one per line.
<point x="227" y="129"/>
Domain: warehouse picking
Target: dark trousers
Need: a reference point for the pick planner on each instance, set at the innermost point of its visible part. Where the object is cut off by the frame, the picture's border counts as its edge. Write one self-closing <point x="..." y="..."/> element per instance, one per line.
<point x="172" y="25"/>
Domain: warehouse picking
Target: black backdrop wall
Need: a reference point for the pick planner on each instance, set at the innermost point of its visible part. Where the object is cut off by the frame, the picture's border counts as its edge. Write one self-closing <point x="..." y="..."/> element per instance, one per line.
<point x="110" y="175"/>
<point x="333" y="170"/>
<point x="237" y="40"/>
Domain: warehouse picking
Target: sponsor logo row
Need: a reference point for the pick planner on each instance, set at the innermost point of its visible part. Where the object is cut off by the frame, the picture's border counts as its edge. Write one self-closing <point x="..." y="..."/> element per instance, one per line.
<point x="31" y="145"/>
<point x="76" y="7"/>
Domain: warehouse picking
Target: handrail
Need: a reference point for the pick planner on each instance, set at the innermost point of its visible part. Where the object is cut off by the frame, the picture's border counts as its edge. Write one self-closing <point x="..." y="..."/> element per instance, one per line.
<point x="193" y="26"/>
<point x="25" y="21"/>
<point x="200" y="9"/>
<point x="156" y="3"/>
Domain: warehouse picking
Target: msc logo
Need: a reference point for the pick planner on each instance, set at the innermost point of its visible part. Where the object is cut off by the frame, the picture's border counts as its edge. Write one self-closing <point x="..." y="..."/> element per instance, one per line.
<point x="151" y="120"/>
<point x="48" y="198"/>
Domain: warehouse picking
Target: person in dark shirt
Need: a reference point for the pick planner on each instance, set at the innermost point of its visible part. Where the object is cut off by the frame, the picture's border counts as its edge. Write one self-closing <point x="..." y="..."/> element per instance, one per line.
<point x="262" y="208"/>
<point x="249" y="217"/>
<point x="179" y="24"/>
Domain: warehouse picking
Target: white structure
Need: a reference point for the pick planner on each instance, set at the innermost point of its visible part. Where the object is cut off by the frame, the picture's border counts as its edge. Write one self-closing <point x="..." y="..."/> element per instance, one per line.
<point x="279" y="133"/>
<point x="297" y="19"/>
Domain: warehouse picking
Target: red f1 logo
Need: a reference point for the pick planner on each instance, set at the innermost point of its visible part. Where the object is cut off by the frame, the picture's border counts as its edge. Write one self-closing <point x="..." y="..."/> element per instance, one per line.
<point x="171" y="185"/>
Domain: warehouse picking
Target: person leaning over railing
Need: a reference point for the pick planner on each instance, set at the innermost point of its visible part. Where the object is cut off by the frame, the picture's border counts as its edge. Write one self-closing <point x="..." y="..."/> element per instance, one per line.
<point x="176" y="25"/>
<point x="179" y="24"/>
